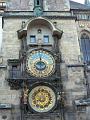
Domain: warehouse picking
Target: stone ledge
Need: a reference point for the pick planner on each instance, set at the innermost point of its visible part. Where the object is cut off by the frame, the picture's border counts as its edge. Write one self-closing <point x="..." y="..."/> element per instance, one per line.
<point x="82" y="102"/>
<point x="3" y="66"/>
<point x="75" y="65"/>
<point x="5" y="106"/>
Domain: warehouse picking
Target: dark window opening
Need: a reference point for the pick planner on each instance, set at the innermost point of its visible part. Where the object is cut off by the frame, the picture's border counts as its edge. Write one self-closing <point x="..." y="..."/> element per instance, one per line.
<point x="38" y="2"/>
<point x="84" y="36"/>
<point x="14" y="68"/>
<point x="85" y="47"/>
<point x="46" y="39"/>
<point x="14" y="71"/>
<point x="32" y="39"/>
<point x="88" y="17"/>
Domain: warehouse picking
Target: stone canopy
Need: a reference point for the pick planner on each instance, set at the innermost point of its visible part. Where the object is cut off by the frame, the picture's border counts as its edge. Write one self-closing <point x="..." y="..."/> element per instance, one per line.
<point x="40" y="20"/>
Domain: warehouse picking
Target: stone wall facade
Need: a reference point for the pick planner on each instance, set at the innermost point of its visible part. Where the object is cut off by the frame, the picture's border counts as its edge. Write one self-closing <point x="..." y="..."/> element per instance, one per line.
<point x="72" y="77"/>
<point x="71" y="66"/>
<point x="54" y="5"/>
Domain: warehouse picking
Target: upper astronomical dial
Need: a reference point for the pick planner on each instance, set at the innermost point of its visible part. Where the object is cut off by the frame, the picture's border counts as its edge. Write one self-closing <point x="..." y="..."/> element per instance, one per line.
<point x="40" y="63"/>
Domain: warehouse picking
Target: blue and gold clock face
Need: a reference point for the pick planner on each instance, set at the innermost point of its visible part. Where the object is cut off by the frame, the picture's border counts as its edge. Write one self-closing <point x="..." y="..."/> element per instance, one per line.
<point x="40" y="63"/>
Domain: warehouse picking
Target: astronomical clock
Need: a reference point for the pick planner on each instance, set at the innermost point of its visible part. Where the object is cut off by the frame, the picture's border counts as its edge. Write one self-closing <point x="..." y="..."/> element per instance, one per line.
<point x="40" y="67"/>
<point x="42" y="96"/>
<point x="36" y="71"/>
<point x="43" y="82"/>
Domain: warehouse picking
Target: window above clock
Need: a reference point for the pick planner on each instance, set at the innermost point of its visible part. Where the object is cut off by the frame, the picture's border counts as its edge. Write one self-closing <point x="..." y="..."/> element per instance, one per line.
<point x="32" y="39"/>
<point x="46" y="39"/>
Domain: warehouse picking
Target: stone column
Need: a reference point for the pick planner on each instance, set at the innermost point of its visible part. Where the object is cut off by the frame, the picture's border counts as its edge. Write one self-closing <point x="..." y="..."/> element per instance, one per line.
<point x="88" y="113"/>
<point x="0" y="33"/>
<point x="56" y="44"/>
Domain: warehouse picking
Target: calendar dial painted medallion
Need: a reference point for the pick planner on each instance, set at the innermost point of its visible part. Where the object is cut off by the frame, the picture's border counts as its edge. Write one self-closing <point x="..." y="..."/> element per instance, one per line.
<point x="42" y="98"/>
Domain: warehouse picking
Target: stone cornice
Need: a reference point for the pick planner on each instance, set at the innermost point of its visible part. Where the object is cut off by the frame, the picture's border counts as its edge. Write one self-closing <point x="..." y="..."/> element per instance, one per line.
<point x="29" y="14"/>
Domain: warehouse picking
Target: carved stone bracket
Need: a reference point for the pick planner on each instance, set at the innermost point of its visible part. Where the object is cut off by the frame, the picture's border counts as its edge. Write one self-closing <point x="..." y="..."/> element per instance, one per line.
<point x="15" y="84"/>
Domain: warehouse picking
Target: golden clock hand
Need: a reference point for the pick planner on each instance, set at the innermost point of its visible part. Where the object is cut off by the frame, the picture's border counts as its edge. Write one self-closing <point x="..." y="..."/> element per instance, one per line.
<point x="40" y="58"/>
<point x="39" y="55"/>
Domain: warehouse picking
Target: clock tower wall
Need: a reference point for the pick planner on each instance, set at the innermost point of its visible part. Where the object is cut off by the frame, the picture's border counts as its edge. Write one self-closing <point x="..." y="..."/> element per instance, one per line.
<point x="48" y="5"/>
<point x="72" y="74"/>
<point x="72" y="77"/>
<point x="68" y="42"/>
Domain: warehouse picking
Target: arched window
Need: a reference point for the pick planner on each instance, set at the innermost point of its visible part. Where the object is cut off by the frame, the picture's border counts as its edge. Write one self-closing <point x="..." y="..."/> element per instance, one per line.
<point x="38" y="3"/>
<point x="85" y="47"/>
